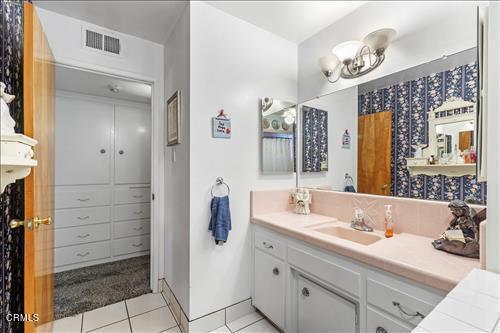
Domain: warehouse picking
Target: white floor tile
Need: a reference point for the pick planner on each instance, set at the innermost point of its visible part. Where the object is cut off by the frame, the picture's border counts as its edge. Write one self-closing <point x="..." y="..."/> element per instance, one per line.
<point x="262" y="326"/>
<point x="472" y="297"/>
<point x="469" y="314"/>
<point x="440" y="322"/>
<point x="67" y="325"/>
<point x="239" y="310"/>
<point x="222" y="329"/>
<point x="175" y="329"/>
<point x="208" y="323"/>
<point x="144" y="303"/>
<point x="155" y="321"/>
<point x="244" y="321"/>
<point x="119" y="327"/>
<point x="104" y="316"/>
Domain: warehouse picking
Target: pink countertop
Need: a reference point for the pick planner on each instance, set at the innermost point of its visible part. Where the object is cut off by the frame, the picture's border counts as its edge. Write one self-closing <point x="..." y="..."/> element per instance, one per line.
<point x="405" y="254"/>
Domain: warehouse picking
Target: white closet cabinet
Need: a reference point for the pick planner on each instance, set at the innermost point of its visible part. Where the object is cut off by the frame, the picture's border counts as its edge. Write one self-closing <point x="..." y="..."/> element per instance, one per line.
<point x="102" y="194"/>
<point x="132" y="145"/>
<point x="84" y="141"/>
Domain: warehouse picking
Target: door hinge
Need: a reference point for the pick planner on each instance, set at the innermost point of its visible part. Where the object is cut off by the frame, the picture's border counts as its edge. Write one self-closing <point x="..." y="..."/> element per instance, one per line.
<point x="152" y="196"/>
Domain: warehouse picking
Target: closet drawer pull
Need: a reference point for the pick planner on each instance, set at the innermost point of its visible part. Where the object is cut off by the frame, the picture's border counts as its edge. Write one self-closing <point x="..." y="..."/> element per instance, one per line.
<point x="83" y="217"/>
<point x="137" y="245"/>
<point x="83" y="254"/>
<point x="137" y="196"/>
<point x="267" y="246"/>
<point x="138" y="228"/>
<point x="83" y="199"/>
<point x="400" y="308"/>
<point x="83" y="236"/>
<point x="138" y="213"/>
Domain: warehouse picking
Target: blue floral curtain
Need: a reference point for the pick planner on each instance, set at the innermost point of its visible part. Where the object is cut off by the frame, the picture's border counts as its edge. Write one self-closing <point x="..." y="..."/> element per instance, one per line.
<point x="315" y="140"/>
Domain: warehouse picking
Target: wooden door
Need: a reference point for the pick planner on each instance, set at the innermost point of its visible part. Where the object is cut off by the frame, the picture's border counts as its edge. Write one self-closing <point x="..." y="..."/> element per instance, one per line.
<point x="374" y="153"/>
<point x="39" y="92"/>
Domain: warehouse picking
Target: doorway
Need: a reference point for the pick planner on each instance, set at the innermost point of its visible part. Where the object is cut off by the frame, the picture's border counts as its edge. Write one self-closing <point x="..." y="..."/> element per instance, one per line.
<point x="102" y="218"/>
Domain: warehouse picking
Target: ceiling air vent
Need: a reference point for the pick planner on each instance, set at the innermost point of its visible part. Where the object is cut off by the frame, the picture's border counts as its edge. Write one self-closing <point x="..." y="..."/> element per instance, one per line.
<point x="101" y="41"/>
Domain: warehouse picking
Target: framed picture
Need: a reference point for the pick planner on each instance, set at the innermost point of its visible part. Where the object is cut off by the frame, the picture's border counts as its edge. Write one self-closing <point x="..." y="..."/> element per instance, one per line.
<point x="174" y="119"/>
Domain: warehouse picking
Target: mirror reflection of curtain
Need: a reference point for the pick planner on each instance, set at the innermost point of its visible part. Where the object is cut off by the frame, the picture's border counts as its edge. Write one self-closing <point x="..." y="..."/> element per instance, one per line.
<point x="277" y="154"/>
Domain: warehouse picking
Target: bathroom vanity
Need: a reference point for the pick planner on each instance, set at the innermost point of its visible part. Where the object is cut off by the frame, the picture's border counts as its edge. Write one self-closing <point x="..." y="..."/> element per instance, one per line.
<point x="313" y="273"/>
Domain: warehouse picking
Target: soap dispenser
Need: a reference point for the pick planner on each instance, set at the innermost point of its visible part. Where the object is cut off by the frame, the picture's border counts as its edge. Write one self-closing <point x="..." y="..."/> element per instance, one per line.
<point x="388" y="222"/>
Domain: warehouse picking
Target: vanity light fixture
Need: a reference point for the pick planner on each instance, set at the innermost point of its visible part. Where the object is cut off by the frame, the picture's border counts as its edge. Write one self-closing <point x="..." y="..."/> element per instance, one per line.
<point x="354" y="58"/>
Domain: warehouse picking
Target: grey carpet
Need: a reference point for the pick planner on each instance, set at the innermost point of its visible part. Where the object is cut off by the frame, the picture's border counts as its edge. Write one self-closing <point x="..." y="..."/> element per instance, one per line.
<point x="89" y="288"/>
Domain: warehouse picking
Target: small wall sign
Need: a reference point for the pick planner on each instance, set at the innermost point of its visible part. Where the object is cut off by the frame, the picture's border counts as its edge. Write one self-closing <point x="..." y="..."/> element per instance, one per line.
<point x="346" y="140"/>
<point x="221" y="126"/>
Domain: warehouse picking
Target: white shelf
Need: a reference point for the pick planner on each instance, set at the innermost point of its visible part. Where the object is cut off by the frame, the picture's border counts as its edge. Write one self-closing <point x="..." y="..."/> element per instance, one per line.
<point x="453" y="170"/>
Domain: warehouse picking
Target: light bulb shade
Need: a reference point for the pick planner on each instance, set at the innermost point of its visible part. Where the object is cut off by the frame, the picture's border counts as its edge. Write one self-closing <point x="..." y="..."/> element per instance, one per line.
<point x="347" y="50"/>
<point x="329" y="63"/>
<point x="380" y="39"/>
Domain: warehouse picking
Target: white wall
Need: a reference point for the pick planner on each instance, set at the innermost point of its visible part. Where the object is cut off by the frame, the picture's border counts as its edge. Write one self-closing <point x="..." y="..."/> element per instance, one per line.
<point x="177" y="172"/>
<point x="142" y="60"/>
<point x="426" y="31"/>
<point x="233" y="64"/>
<point x="493" y="106"/>
<point x="342" y="107"/>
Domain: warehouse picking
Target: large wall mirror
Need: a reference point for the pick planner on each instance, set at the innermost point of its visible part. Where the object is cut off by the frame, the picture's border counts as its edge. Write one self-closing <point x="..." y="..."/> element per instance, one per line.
<point x="409" y="134"/>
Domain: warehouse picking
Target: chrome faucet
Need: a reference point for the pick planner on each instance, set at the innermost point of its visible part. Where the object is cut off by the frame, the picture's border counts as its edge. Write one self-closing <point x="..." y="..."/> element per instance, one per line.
<point x="358" y="222"/>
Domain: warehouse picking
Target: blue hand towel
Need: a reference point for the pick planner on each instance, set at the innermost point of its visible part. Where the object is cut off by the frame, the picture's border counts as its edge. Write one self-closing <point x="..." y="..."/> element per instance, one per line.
<point x="220" y="219"/>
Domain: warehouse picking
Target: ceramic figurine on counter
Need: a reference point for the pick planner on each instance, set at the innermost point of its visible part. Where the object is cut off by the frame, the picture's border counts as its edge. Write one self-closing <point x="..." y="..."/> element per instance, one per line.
<point x="462" y="236"/>
<point x="302" y="201"/>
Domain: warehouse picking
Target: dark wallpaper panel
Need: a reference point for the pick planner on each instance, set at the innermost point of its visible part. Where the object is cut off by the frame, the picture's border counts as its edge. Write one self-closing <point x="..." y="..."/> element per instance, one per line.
<point x="315" y="137"/>
<point x="12" y="200"/>
<point x="410" y="102"/>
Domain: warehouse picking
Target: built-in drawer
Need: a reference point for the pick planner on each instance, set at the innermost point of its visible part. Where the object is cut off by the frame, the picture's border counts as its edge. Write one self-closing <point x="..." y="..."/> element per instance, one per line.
<point x="379" y="322"/>
<point x="403" y="302"/>
<point x="79" y="235"/>
<point x="340" y="276"/>
<point x="130" y="245"/>
<point x="269" y="244"/>
<point x="132" y="195"/>
<point x="81" y="216"/>
<point x="130" y="228"/>
<point x="81" y="253"/>
<point x="76" y="199"/>
<point x="132" y="212"/>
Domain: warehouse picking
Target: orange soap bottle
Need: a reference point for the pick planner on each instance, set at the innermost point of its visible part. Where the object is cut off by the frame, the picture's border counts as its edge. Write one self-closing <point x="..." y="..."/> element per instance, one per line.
<point x="388" y="222"/>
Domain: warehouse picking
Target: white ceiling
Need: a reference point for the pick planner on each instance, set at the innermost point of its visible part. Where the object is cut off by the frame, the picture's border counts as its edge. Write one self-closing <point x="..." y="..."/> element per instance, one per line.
<point x="89" y="83"/>
<point x="150" y="20"/>
<point x="292" y="20"/>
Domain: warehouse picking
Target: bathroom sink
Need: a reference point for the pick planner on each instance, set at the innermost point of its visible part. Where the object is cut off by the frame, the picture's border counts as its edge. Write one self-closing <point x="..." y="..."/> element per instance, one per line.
<point x="352" y="235"/>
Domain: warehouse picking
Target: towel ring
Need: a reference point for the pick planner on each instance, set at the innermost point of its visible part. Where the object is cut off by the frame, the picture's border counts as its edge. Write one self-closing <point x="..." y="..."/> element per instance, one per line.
<point x="219" y="181"/>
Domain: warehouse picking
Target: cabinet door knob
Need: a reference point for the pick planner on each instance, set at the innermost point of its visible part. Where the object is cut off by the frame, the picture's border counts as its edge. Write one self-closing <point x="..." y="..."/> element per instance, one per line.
<point x="102" y="151"/>
<point x="121" y="152"/>
<point x="381" y="330"/>
<point x="276" y="271"/>
<point x="305" y="292"/>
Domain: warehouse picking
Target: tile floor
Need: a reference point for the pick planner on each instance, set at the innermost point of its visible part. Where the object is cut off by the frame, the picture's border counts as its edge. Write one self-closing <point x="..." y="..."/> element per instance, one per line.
<point x="147" y="313"/>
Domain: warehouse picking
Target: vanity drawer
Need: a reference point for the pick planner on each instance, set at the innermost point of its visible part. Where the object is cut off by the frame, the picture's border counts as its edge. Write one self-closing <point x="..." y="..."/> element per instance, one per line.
<point x="75" y="199"/>
<point x="376" y="321"/>
<point x="132" y="195"/>
<point x="130" y="245"/>
<point x="132" y="212"/>
<point x="396" y="300"/>
<point x="79" y="235"/>
<point x="81" y="253"/>
<point x="268" y="243"/>
<point x="130" y="228"/>
<point x="81" y="216"/>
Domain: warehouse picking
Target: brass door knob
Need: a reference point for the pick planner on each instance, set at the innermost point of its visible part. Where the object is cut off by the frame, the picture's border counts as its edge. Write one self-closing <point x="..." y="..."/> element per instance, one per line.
<point x="14" y="224"/>
<point x="46" y="221"/>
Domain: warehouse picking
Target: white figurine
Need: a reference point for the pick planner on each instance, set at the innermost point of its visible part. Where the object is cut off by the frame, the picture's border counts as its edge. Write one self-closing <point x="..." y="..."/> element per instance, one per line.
<point x="302" y="201"/>
<point x="7" y="122"/>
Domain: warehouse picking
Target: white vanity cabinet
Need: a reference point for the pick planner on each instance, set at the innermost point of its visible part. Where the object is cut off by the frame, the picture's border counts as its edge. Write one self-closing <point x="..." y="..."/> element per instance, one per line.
<point x="320" y="291"/>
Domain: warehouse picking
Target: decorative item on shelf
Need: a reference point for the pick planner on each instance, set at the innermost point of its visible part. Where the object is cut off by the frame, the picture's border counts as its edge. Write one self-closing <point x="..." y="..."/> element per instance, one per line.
<point x="303" y="199"/>
<point x="462" y="236"/>
<point x="174" y="119"/>
<point x="349" y="183"/>
<point x="346" y="140"/>
<point x="221" y="126"/>
<point x="432" y="160"/>
<point x="354" y="58"/>
<point x="16" y="149"/>
<point x="418" y="150"/>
